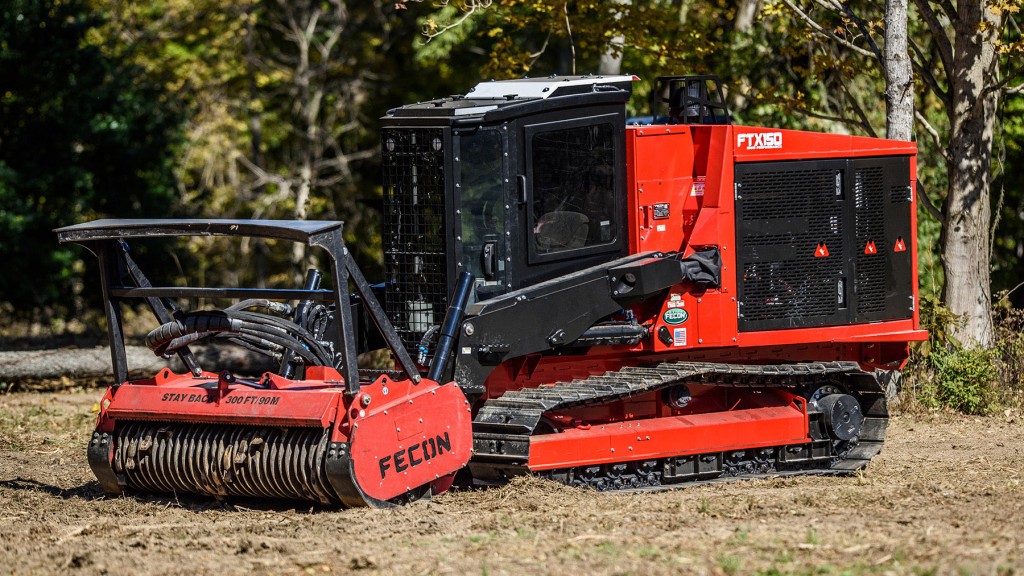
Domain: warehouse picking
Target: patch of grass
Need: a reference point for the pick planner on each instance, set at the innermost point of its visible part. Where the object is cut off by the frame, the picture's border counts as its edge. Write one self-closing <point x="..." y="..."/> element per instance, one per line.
<point x="813" y="537"/>
<point x="44" y="424"/>
<point x="481" y="538"/>
<point x="526" y="533"/>
<point x="704" y="507"/>
<point x="608" y="549"/>
<point x="811" y="571"/>
<point x="649" y="552"/>
<point x="741" y="536"/>
<point x="855" y="570"/>
<point x="730" y="564"/>
<point x="784" y="557"/>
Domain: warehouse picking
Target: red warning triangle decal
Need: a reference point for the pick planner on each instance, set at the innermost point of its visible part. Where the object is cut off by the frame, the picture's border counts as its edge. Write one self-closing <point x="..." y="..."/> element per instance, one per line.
<point x="821" y="251"/>
<point x="870" y="248"/>
<point x="900" y="246"/>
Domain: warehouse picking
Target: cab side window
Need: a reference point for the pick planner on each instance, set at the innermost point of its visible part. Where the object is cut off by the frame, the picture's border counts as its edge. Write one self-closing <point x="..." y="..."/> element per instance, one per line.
<point x="573" y="202"/>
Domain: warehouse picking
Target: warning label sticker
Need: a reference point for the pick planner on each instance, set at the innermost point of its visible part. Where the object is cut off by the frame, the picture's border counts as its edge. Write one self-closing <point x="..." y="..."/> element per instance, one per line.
<point x="679" y="337"/>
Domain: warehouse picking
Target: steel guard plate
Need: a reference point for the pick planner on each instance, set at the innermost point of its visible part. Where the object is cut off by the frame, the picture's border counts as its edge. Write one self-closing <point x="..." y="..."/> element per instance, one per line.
<point x="411" y="441"/>
<point x="314" y="408"/>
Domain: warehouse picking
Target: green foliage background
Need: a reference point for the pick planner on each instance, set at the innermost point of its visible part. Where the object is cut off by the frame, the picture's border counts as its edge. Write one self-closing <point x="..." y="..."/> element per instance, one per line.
<point x="199" y="108"/>
<point x="83" y="133"/>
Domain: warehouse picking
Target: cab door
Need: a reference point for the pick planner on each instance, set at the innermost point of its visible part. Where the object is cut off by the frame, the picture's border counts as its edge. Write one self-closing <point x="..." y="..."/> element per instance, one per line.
<point x="481" y="242"/>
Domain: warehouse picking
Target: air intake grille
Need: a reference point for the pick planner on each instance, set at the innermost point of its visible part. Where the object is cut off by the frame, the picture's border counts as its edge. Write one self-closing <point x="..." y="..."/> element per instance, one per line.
<point x="414" y="230"/>
<point x="816" y="242"/>
<point x="869" y="201"/>
<point x="787" y="214"/>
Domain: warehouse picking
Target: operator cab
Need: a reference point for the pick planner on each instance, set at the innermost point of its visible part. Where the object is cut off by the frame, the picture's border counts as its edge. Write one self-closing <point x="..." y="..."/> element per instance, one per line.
<point x="515" y="182"/>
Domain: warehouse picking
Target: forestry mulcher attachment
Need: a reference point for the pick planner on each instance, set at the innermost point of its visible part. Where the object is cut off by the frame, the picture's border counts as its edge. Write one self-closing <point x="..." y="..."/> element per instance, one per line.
<point x="606" y="302"/>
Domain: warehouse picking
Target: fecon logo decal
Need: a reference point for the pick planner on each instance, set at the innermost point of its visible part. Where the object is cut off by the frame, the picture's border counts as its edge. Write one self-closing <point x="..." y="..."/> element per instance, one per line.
<point x="759" y="140"/>
<point x="407" y="457"/>
<point x="675" y="316"/>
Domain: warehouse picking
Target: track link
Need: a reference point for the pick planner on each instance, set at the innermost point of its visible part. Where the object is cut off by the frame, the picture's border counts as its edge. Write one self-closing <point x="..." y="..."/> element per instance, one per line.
<point x="503" y="427"/>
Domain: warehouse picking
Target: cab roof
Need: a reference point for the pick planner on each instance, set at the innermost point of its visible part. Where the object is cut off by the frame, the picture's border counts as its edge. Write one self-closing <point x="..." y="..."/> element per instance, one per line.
<point x="490" y="98"/>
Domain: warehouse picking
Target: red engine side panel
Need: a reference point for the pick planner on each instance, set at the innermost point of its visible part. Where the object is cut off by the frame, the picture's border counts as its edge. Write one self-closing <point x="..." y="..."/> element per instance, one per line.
<point x="681" y="198"/>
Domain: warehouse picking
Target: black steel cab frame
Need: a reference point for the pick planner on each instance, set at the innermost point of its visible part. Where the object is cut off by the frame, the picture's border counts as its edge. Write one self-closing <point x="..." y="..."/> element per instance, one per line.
<point x="122" y="280"/>
<point x="517" y="182"/>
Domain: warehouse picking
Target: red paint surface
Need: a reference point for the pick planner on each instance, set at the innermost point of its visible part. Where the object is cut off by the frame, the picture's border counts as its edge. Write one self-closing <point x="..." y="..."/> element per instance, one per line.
<point x="410" y="425"/>
<point x="681" y="435"/>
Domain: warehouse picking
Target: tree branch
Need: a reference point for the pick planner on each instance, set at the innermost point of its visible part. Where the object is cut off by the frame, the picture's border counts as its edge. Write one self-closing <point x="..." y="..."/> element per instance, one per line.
<point x="824" y="32"/>
<point x="936" y="139"/>
<point x="938" y="35"/>
<point x="929" y="78"/>
<point x="867" y="33"/>
<point x="949" y="10"/>
<point x="859" y="111"/>
<point x="922" y="195"/>
<point x="568" y="29"/>
<point x="262" y="176"/>
<point x="536" y="55"/>
<point x="471" y="6"/>
<point x="1015" y="73"/>
<point x="1000" y="158"/>
<point x="829" y="117"/>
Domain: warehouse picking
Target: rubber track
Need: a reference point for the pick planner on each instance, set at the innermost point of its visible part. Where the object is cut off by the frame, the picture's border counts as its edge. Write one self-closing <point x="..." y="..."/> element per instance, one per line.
<point x="503" y="425"/>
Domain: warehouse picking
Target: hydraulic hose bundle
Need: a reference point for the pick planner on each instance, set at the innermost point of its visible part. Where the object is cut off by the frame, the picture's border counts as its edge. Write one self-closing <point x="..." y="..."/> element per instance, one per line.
<point x="263" y="333"/>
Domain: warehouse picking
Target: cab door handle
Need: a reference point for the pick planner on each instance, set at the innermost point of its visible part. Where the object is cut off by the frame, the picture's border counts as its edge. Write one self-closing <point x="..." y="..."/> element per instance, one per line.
<point x="489" y="260"/>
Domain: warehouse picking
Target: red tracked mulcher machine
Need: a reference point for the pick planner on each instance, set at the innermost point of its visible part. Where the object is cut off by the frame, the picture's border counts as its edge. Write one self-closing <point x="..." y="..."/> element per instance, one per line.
<point x="625" y="305"/>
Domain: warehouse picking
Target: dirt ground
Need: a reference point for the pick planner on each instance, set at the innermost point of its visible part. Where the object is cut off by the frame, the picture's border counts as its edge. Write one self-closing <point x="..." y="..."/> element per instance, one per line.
<point x="945" y="496"/>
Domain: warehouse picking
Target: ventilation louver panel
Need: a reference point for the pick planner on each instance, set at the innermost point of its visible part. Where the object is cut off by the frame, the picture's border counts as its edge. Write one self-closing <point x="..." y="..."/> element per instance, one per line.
<point x="869" y="201"/>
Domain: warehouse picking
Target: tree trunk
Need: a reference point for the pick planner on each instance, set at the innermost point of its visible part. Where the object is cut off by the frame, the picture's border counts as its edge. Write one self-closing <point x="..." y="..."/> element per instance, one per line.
<point x="965" y="234"/>
<point x="308" y="106"/>
<point x="611" y="61"/>
<point x="257" y="254"/>
<point x="746" y="13"/>
<point x="899" y="79"/>
<point x="746" y="10"/>
<point x="90" y="363"/>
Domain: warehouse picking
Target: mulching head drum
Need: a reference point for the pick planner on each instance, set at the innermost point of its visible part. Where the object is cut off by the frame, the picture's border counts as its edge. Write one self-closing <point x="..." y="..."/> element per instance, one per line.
<point x="224" y="460"/>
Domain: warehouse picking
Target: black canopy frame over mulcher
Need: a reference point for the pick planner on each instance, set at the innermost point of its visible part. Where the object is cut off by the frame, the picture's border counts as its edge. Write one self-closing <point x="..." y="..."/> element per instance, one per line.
<point x="121" y="280"/>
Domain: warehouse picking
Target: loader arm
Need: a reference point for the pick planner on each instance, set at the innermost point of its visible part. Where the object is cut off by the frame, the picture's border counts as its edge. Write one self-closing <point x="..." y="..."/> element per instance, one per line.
<point x="561" y="311"/>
